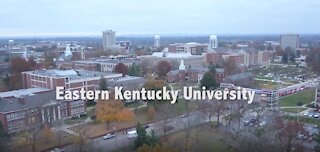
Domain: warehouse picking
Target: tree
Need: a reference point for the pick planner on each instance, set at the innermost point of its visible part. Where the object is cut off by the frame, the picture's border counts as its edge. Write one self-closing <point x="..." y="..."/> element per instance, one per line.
<point x="317" y="140"/>
<point x="82" y="139"/>
<point x="113" y="111"/>
<point x="103" y="84"/>
<point x="157" y="148"/>
<point x="212" y="68"/>
<point x="19" y="65"/>
<point x="284" y="58"/>
<point x="134" y="70"/>
<point x="163" y="67"/>
<point x="151" y="113"/>
<point x="208" y="80"/>
<point x="292" y="57"/>
<point x="47" y="133"/>
<point x="144" y="138"/>
<point x="141" y="136"/>
<point x="3" y="139"/>
<point x="155" y="84"/>
<point x="121" y="68"/>
<point x="231" y="67"/>
<point x="313" y="59"/>
<point x="147" y="66"/>
<point x="286" y="134"/>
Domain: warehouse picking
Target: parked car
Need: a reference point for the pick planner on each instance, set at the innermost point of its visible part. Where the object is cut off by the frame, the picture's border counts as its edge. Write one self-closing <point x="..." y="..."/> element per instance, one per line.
<point x="262" y="123"/>
<point x="146" y="126"/>
<point x="310" y="114"/>
<point x="306" y="113"/>
<point x="132" y="134"/>
<point x="57" y="150"/>
<point x="316" y="115"/>
<point x="109" y="136"/>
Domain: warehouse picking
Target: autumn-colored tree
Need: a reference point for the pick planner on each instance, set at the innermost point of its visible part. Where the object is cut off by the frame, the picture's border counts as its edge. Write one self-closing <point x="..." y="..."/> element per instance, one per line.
<point x="151" y="113"/>
<point x="47" y="133"/>
<point x="19" y="65"/>
<point x="163" y="67"/>
<point x="157" y="148"/>
<point x="112" y="111"/>
<point x="81" y="140"/>
<point x="231" y="67"/>
<point x="147" y="67"/>
<point x="121" y="68"/>
<point x="155" y="84"/>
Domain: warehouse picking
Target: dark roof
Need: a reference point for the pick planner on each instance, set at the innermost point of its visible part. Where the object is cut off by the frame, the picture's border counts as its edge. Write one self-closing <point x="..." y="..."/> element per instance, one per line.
<point x="37" y="100"/>
<point x="128" y="82"/>
<point x="239" y="76"/>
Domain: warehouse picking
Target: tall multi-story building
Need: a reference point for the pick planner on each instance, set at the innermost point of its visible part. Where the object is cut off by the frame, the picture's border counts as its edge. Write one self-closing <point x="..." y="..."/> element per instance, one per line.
<point x="289" y="40"/>
<point x="213" y="43"/>
<point x="108" y="39"/>
<point x="157" y="41"/>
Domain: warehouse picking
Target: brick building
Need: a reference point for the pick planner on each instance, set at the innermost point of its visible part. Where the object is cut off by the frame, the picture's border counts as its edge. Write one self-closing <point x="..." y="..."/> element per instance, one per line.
<point x="70" y="79"/>
<point x="34" y="110"/>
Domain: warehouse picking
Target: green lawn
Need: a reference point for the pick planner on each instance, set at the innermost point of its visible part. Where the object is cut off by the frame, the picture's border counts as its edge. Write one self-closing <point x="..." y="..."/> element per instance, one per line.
<point x="293" y="110"/>
<point x="305" y="97"/>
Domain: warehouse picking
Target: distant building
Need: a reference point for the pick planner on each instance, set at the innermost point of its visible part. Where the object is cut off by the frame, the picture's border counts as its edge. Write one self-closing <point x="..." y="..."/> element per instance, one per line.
<point x="108" y="39"/>
<point x="189" y="59"/>
<point x="242" y="79"/>
<point x="213" y="43"/>
<point x="10" y="44"/>
<point x="31" y="111"/>
<point x="191" y="74"/>
<point x="213" y="57"/>
<point x="69" y="79"/>
<point x="104" y="64"/>
<point x="157" y="41"/>
<point x="127" y="82"/>
<point x="289" y="40"/>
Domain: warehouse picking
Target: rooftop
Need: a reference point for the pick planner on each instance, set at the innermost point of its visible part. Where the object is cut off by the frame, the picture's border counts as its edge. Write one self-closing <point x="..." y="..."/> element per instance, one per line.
<point x="71" y="74"/>
<point x="22" y="92"/>
<point x="25" y="102"/>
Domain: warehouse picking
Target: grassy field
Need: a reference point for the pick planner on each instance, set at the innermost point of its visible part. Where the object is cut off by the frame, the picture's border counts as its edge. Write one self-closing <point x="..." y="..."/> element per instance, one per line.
<point x="203" y="138"/>
<point x="305" y="97"/>
<point x="293" y="110"/>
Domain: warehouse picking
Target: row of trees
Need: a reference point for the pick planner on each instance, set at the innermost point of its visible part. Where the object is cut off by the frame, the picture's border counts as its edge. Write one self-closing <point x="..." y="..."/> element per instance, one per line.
<point x="14" y="79"/>
<point x="313" y="59"/>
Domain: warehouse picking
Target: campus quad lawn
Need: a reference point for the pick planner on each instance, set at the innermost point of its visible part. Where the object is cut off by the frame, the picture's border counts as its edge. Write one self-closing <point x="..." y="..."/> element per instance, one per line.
<point x="305" y="97"/>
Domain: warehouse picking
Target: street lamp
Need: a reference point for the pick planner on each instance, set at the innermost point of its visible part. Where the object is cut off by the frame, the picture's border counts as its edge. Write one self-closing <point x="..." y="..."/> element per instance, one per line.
<point x="115" y="133"/>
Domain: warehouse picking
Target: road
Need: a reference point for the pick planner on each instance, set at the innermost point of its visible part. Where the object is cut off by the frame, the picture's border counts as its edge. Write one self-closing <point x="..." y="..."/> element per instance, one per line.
<point x="121" y="140"/>
<point x="178" y="123"/>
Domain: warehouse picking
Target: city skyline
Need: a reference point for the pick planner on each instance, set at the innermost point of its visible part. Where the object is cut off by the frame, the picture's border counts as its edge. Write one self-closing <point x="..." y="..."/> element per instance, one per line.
<point x="49" y="17"/>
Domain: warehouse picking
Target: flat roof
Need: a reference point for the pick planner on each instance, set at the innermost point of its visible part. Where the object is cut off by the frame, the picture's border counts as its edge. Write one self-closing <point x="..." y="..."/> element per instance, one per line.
<point x="71" y="74"/>
<point x="22" y="92"/>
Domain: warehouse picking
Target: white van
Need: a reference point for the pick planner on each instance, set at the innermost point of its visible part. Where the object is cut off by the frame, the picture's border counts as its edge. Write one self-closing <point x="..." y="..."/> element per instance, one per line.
<point x="132" y="134"/>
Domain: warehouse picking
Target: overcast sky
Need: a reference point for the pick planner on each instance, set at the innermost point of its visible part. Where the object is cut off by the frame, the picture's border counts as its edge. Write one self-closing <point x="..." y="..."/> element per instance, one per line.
<point x="82" y="17"/>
